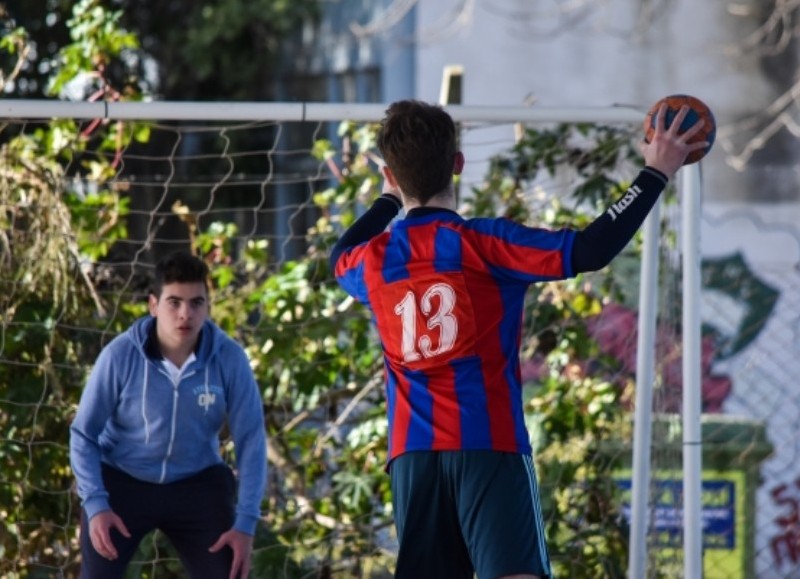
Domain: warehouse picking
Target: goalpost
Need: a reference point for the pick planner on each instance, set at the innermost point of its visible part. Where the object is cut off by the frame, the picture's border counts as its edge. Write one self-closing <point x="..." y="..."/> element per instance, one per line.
<point x="232" y="115"/>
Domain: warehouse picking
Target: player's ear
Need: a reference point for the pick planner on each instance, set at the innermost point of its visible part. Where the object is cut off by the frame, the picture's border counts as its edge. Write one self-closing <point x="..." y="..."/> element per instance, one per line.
<point x="152" y="304"/>
<point x="389" y="176"/>
<point x="458" y="164"/>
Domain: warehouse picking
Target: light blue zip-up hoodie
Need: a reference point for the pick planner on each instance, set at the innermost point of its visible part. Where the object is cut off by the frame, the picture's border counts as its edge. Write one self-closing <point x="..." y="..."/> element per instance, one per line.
<point x="134" y="418"/>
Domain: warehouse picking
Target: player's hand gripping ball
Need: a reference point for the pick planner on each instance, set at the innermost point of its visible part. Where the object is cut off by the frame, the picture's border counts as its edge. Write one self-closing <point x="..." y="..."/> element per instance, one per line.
<point x="697" y="110"/>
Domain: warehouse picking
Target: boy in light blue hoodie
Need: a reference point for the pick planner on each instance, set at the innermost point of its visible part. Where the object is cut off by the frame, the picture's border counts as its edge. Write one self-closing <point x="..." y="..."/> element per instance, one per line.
<point x="145" y="446"/>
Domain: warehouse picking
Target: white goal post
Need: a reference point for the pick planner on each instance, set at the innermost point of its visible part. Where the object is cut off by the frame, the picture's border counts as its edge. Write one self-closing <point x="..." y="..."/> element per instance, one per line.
<point x="298" y="111"/>
<point x="689" y="184"/>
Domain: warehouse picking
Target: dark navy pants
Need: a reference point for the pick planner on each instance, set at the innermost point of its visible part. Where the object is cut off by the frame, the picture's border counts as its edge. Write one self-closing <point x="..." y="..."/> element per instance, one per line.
<point x="192" y="513"/>
<point x="461" y="513"/>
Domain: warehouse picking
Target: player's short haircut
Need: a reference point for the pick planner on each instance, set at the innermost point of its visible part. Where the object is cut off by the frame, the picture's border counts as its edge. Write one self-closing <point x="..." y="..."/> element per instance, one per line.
<point x="179" y="267"/>
<point x="418" y="143"/>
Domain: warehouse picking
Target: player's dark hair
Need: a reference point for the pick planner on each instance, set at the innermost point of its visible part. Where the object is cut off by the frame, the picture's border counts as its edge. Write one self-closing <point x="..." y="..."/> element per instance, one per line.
<point x="179" y="267"/>
<point x="418" y="143"/>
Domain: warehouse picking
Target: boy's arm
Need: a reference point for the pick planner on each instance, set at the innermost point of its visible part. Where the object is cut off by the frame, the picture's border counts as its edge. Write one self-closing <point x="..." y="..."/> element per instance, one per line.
<point x="246" y="422"/>
<point x="96" y="406"/>
<point x="372" y="223"/>
<point x="609" y="233"/>
<point x="664" y="154"/>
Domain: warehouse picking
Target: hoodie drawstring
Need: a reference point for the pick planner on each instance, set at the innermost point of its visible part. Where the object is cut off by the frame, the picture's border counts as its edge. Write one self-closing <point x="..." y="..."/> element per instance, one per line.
<point x="208" y="392"/>
<point x="144" y="403"/>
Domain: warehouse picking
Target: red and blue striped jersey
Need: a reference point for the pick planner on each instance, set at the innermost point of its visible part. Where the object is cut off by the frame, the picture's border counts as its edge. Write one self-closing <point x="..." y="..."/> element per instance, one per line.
<point x="446" y="295"/>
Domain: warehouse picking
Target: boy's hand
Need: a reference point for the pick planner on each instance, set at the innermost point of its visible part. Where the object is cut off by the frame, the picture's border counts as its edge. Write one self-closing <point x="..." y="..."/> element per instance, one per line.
<point x="668" y="149"/>
<point x="242" y="546"/>
<point x="100" y="527"/>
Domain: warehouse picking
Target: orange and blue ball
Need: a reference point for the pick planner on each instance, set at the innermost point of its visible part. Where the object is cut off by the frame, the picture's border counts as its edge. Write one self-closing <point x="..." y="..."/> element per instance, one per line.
<point x="697" y="110"/>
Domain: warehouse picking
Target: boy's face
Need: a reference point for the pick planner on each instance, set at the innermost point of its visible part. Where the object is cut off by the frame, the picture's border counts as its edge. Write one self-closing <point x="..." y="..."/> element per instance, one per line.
<point x="180" y="311"/>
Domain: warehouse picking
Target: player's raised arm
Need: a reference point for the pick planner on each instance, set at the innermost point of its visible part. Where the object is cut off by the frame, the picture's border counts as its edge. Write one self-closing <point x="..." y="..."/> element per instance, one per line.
<point x="373" y="222"/>
<point x="668" y="144"/>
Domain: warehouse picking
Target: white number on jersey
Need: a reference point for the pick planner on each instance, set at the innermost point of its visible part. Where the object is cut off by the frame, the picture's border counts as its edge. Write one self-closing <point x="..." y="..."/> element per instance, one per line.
<point x="442" y="322"/>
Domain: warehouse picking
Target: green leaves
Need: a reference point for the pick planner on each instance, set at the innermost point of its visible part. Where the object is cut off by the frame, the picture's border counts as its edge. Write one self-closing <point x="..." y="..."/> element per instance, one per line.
<point x="97" y="42"/>
<point x="224" y="49"/>
<point x="61" y="216"/>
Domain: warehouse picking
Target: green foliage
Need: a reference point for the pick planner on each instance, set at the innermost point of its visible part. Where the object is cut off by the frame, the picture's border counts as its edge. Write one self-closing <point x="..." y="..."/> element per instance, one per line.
<point x="14" y="50"/>
<point x="591" y="157"/>
<point x="222" y="49"/>
<point x="313" y="349"/>
<point x="321" y="366"/>
<point x="574" y="417"/>
<point x="224" y="24"/>
<point x="181" y="49"/>
<point x="52" y="317"/>
<point x="97" y="43"/>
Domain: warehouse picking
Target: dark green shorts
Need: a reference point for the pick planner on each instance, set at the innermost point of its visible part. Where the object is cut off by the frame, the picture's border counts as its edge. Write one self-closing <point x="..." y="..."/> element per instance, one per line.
<point x="464" y="512"/>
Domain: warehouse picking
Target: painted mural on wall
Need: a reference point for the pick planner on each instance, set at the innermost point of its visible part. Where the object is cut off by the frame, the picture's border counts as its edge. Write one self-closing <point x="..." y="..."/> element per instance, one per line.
<point x="755" y="298"/>
<point x="615" y="330"/>
<point x="751" y="305"/>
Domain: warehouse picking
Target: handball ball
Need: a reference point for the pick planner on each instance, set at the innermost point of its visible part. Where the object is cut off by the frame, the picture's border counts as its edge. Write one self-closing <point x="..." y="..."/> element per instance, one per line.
<point x="697" y="110"/>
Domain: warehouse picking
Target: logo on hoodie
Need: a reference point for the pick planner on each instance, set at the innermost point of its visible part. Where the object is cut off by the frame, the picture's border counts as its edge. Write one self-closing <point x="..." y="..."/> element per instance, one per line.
<point x="207" y="395"/>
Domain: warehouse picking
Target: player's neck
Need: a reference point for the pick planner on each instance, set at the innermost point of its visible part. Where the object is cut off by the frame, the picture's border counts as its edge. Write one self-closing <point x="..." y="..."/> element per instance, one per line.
<point x="444" y="200"/>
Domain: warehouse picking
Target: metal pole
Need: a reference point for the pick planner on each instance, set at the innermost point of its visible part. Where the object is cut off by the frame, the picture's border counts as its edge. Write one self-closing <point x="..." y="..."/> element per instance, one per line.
<point x="692" y="400"/>
<point x="642" y="433"/>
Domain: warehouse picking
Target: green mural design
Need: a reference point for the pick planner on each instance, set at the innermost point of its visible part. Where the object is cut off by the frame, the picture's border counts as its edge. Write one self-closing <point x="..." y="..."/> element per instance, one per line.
<point x="731" y="276"/>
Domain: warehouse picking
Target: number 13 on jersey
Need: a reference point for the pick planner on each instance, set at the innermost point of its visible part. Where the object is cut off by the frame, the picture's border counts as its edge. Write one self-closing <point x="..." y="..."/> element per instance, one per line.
<point x="430" y="321"/>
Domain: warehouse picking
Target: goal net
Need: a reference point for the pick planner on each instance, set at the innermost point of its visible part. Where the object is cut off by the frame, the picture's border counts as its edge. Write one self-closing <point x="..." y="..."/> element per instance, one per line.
<point x="93" y="193"/>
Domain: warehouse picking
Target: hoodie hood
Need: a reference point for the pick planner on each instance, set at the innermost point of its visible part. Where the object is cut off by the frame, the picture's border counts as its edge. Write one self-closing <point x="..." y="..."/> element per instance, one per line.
<point x="143" y="335"/>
